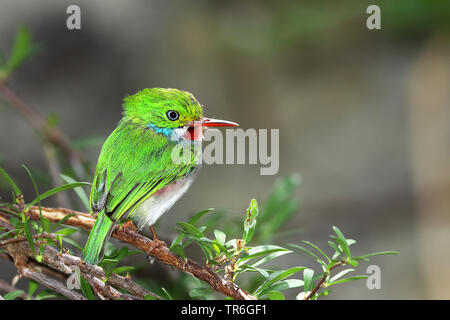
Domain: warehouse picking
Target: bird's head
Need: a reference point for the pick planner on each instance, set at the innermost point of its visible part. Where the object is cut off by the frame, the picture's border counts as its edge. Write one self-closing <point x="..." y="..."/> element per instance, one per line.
<point x="166" y="111"/>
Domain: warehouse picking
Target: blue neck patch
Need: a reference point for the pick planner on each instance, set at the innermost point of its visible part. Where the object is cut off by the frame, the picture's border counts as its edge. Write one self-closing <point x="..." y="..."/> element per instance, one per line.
<point x="165" y="131"/>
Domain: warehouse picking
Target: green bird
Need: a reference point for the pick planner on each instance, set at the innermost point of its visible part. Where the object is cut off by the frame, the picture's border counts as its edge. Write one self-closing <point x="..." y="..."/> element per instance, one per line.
<point x="139" y="175"/>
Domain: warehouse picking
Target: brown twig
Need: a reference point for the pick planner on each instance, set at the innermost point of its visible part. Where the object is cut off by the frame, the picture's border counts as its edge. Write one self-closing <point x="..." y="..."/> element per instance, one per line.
<point x="51" y="134"/>
<point x="162" y="253"/>
<point x="20" y="239"/>
<point x="51" y="283"/>
<point x="104" y="291"/>
<point x="322" y="280"/>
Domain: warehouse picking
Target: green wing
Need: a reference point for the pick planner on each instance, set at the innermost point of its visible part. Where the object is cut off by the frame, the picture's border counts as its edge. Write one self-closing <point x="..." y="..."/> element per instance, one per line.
<point x="134" y="164"/>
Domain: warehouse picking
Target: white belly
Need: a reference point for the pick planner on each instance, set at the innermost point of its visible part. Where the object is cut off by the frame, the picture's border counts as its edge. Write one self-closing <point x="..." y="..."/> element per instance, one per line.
<point x="155" y="206"/>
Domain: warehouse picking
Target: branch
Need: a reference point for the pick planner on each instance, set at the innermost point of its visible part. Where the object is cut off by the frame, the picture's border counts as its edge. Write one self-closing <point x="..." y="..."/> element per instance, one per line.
<point x="53" y="135"/>
<point x="162" y="253"/>
<point x="58" y="265"/>
<point x="322" y="280"/>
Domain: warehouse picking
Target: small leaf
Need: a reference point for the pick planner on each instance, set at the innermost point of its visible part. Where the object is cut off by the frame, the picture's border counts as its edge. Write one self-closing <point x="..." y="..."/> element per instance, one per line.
<point x="250" y="221"/>
<point x="341" y="274"/>
<point x="46" y="294"/>
<point x="56" y="225"/>
<point x="71" y="242"/>
<point x="86" y="288"/>
<point x="56" y="190"/>
<point x="259" y="251"/>
<point x="342" y="242"/>
<point x="32" y="286"/>
<point x="365" y="257"/>
<point x="295" y="246"/>
<point x="124" y="269"/>
<point x="200" y="292"/>
<point x="283" y="285"/>
<point x="191" y="229"/>
<point x="13" y="295"/>
<point x="21" y="50"/>
<point x="346" y="280"/>
<point x="28" y="235"/>
<point x="79" y="191"/>
<point x="307" y="279"/>
<point x="168" y="296"/>
<point x="179" y="250"/>
<point x="275" y="295"/>
<point x="11" y="182"/>
<point x="66" y="231"/>
<point x="220" y="236"/>
<point x="277" y="276"/>
<point x="270" y="257"/>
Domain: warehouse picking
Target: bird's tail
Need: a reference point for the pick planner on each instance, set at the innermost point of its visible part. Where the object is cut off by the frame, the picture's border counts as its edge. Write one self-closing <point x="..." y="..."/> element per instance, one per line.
<point x="101" y="231"/>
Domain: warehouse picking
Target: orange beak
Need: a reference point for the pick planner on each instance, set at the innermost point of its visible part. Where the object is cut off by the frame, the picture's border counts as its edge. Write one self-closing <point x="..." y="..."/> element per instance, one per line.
<point x="208" y="122"/>
<point x="194" y="134"/>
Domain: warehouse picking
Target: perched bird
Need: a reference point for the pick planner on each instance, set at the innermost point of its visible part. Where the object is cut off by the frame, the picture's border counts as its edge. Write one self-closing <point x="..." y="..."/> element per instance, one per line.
<point x="138" y="175"/>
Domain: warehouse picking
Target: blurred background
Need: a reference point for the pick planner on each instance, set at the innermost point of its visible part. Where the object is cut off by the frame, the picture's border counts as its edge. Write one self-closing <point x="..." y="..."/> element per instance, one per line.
<point x="364" y="115"/>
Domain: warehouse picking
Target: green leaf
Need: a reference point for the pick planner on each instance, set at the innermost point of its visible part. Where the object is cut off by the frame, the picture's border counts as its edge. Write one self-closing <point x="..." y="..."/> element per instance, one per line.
<point x="66" y="231"/>
<point x="46" y="294"/>
<point x="10" y="182"/>
<point x="56" y="225"/>
<point x="6" y="233"/>
<point x="71" y="242"/>
<point x="279" y="206"/>
<point x="124" y="269"/>
<point x="318" y="249"/>
<point x="21" y="50"/>
<point x="28" y="235"/>
<point x="295" y="246"/>
<point x="191" y="230"/>
<point x="342" y="241"/>
<point x="270" y="257"/>
<point x="56" y="190"/>
<point x="149" y="297"/>
<point x="179" y="250"/>
<point x="200" y="292"/>
<point x="250" y="221"/>
<point x="168" y="296"/>
<point x="259" y="251"/>
<point x="245" y="267"/>
<point x="79" y="191"/>
<point x="220" y="236"/>
<point x="283" y="285"/>
<point x="340" y="274"/>
<point x="275" y="295"/>
<point x="192" y="221"/>
<point x="12" y="295"/>
<point x="277" y="276"/>
<point x="32" y="286"/>
<point x="365" y="257"/>
<point x="346" y="280"/>
<point x="86" y="288"/>
<point x="308" y="275"/>
<point x="45" y="224"/>
<point x="36" y="191"/>
<point x="337" y="249"/>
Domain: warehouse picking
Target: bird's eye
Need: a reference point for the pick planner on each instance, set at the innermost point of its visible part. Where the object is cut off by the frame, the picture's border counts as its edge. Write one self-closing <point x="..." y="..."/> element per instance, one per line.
<point x="172" y="115"/>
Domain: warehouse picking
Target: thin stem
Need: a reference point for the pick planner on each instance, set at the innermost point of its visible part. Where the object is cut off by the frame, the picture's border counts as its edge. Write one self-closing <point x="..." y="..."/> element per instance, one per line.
<point x="322" y="280"/>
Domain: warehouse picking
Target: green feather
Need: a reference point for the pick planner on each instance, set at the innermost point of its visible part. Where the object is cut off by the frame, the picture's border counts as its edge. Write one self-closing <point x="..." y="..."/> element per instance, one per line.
<point x="99" y="233"/>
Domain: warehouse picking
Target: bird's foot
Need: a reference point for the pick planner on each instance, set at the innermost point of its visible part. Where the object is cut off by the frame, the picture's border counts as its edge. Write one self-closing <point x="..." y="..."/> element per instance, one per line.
<point x="156" y="243"/>
<point x="129" y="225"/>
